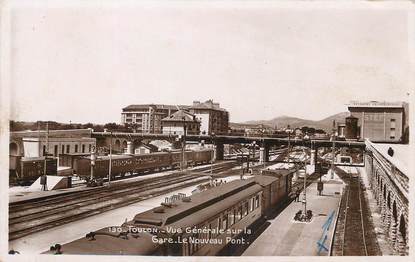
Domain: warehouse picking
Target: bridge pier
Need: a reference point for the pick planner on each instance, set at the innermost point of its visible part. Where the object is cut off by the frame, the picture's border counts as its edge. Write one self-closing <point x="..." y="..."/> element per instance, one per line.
<point x="264" y="153"/>
<point x="219" y="151"/>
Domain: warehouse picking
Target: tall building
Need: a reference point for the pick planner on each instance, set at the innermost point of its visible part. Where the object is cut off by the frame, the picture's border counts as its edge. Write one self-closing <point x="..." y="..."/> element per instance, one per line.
<point x="147" y="118"/>
<point x="379" y="121"/>
<point x="213" y="119"/>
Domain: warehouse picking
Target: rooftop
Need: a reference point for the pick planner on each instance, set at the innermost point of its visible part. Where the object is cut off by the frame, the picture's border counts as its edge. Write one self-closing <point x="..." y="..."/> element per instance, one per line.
<point x="53" y="133"/>
<point x="181" y="116"/>
<point x="157" y="106"/>
<point x="376" y="104"/>
<point x="400" y="158"/>
<point x="209" y="104"/>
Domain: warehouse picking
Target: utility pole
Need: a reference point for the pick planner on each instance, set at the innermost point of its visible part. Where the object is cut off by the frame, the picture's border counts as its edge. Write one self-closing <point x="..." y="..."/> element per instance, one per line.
<point x="110" y="164"/>
<point x="184" y="144"/>
<point x="47" y="145"/>
<point x="333" y="149"/>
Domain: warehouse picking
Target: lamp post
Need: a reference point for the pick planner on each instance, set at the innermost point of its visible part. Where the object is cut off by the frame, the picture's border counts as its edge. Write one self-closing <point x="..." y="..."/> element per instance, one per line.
<point x="93" y="158"/>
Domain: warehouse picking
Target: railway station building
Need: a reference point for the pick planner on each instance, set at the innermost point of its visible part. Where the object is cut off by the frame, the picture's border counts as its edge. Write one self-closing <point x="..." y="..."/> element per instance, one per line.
<point x="54" y="142"/>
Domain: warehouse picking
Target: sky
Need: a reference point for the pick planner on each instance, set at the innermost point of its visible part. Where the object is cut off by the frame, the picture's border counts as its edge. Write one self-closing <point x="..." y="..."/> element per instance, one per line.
<point x="84" y="63"/>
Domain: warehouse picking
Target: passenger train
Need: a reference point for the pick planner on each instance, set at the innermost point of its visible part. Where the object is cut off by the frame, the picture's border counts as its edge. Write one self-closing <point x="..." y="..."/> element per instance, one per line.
<point x="25" y="170"/>
<point x="123" y="164"/>
<point x="198" y="225"/>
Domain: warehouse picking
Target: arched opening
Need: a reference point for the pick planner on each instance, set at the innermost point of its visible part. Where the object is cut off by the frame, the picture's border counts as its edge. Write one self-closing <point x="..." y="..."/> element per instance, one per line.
<point x="117" y="144"/>
<point x="389" y="200"/>
<point x="13" y="149"/>
<point x="124" y="144"/>
<point x="394" y="212"/>
<point x="402" y="228"/>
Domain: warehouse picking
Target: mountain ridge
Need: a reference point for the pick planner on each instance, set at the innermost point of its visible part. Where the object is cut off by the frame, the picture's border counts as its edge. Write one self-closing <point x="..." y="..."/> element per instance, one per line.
<point x="283" y="121"/>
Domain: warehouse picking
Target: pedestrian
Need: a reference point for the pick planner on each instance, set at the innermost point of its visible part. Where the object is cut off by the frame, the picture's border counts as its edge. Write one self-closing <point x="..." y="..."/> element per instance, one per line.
<point x="43" y="182"/>
<point x="297" y="195"/>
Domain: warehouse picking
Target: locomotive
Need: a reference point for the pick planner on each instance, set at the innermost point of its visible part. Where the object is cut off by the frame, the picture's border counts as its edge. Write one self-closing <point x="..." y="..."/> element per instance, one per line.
<point x="202" y="224"/>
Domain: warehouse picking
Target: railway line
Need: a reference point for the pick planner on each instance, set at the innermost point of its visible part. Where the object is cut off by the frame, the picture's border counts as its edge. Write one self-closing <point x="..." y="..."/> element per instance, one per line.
<point x="354" y="231"/>
<point x="33" y="216"/>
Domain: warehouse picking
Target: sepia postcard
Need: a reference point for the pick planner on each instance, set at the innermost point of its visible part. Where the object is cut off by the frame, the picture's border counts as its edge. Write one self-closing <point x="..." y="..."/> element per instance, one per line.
<point x="152" y="130"/>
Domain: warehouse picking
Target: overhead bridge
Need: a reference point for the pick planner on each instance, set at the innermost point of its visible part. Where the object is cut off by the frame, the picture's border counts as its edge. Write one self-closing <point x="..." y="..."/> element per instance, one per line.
<point x="104" y="138"/>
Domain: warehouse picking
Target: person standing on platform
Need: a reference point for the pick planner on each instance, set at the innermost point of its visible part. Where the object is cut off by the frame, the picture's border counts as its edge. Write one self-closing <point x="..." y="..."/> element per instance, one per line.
<point x="43" y="182"/>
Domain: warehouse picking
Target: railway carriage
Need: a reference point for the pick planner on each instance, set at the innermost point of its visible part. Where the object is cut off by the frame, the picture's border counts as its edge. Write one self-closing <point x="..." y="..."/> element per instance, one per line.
<point x="276" y="187"/>
<point x="200" y="225"/>
<point x="123" y="164"/>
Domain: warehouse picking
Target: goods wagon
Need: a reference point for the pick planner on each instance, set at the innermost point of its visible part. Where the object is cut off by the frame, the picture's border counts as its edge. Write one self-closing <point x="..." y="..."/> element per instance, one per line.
<point x="27" y="169"/>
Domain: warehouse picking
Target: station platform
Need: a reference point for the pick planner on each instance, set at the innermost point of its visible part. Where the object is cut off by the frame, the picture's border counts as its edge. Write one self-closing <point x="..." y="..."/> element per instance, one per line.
<point x="22" y="194"/>
<point x="286" y="237"/>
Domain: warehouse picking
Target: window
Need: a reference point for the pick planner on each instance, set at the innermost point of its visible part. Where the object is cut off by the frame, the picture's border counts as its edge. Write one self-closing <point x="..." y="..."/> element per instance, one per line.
<point x="89" y="147"/>
<point x="83" y="148"/>
<point x="63" y="149"/>
<point x="68" y="148"/>
<point x="252" y="205"/>
<point x="76" y="148"/>
<point x="239" y="214"/>
<point x="231" y="217"/>
<point x="44" y="150"/>
<point x="55" y="152"/>
<point x="392" y="134"/>
<point x="257" y="201"/>
<point x="225" y="222"/>
<point x="245" y="209"/>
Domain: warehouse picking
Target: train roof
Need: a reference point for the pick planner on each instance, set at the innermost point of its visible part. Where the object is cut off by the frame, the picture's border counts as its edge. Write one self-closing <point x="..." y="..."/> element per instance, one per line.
<point x="107" y="243"/>
<point x="264" y="180"/>
<point x="201" y="206"/>
<point x="28" y="159"/>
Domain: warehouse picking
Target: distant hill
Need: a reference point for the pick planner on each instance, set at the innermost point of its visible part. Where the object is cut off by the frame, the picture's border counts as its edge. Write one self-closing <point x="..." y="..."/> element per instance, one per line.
<point x="283" y="121"/>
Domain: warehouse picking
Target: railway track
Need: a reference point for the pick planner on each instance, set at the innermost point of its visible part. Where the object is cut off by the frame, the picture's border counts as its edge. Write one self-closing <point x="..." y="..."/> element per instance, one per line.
<point x="354" y="235"/>
<point x="34" y="216"/>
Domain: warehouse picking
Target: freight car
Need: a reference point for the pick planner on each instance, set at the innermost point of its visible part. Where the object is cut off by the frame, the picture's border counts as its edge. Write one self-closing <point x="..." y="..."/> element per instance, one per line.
<point x="24" y="170"/>
<point x="128" y="164"/>
<point x="199" y="225"/>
